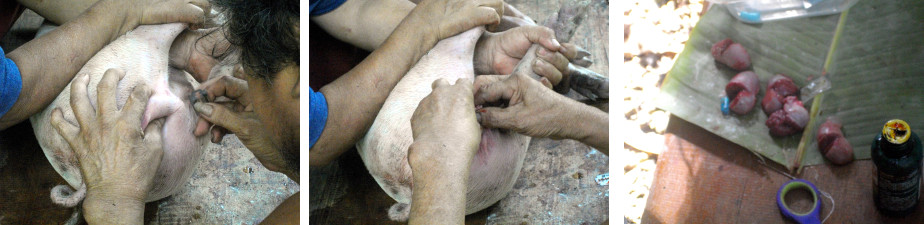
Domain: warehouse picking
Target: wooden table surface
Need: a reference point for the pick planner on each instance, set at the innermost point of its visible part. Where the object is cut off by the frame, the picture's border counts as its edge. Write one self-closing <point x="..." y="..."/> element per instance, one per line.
<point x="702" y="178"/>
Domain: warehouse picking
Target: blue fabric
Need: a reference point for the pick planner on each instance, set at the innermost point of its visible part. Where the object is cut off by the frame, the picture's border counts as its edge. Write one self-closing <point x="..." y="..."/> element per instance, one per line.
<point x="317" y="116"/>
<point x="10" y="83"/>
<point x="320" y="7"/>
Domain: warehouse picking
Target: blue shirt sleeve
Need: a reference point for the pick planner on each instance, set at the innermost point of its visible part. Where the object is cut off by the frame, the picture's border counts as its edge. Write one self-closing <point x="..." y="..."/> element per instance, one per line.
<point x="317" y="116"/>
<point x="10" y="83"/>
<point x="320" y="7"/>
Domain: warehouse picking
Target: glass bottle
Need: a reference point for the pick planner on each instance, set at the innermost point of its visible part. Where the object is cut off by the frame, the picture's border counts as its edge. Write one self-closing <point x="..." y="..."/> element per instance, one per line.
<point x="897" y="154"/>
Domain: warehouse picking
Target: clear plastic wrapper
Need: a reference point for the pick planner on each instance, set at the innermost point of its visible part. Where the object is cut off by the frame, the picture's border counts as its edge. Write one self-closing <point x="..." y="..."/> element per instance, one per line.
<point x="759" y="11"/>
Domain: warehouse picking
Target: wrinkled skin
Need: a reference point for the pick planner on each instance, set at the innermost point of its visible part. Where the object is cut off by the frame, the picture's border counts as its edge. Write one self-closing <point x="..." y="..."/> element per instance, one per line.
<point x="168" y="116"/>
<point x="832" y="143"/>
<point x="742" y="89"/>
<point x="384" y="149"/>
<point x="731" y="54"/>
<point x="779" y="87"/>
<point x="792" y="119"/>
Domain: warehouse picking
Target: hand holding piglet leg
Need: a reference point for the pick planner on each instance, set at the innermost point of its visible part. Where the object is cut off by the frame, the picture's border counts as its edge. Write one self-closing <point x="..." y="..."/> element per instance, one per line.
<point x="500" y="53"/>
<point x="538" y="111"/>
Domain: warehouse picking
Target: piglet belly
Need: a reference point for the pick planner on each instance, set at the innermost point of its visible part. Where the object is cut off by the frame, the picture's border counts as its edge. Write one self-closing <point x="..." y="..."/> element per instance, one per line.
<point x="384" y="148"/>
<point x="168" y="119"/>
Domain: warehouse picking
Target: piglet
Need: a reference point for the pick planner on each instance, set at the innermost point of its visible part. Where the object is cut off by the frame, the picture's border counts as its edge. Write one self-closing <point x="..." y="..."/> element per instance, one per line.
<point x="169" y="118"/>
<point x="731" y="54"/>
<point x="832" y="143"/>
<point x="792" y="119"/>
<point x="742" y="89"/>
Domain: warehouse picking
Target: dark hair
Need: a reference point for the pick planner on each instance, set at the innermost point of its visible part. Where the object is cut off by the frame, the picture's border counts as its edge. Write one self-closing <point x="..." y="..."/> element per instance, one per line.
<point x="264" y="33"/>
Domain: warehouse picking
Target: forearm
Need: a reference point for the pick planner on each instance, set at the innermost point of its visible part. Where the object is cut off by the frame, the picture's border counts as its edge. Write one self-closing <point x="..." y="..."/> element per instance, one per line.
<point x="439" y="192"/>
<point x="100" y="208"/>
<point x="48" y="63"/>
<point x="355" y="98"/>
<point x="58" y="12"/>
<point x="365" y="24"/>
<point x="591" y="127"/>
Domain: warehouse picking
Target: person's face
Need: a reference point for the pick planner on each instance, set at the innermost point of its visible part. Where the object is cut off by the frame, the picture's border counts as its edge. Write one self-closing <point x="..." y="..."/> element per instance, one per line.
<point x="276" y="105"/>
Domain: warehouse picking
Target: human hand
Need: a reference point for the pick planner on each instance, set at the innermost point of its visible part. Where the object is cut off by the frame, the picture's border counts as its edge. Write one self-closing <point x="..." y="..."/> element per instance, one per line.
<point x="444" y="127"/>
<point x="446" y="138"/>
<point x="115" y="161"/>
<point x="168" y="11"/>
<point x="532" y="107"/>
<point x="446" y="18"/>
<point x="499" y="53"/>
<point x="237" y="116"/>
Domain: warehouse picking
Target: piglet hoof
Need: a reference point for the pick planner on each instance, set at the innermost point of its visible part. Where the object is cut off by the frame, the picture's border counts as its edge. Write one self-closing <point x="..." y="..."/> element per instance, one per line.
<point x="587" y="83"/>
<point x="399" y="212"/>
<point x="581" y="56"/>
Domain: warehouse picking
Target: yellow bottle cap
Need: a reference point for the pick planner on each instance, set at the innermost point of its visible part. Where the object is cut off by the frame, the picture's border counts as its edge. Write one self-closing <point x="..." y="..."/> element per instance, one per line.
<point x="896" y="131"/>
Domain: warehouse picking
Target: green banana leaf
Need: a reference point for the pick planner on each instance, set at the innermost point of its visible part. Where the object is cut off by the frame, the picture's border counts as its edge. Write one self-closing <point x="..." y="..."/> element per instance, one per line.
<point x="872" y="55"/>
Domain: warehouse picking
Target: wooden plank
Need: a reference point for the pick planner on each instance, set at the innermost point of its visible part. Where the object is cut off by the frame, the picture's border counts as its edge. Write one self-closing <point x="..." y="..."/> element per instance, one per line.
<point x="26" y="180"/>
<point x="702" y="178"/>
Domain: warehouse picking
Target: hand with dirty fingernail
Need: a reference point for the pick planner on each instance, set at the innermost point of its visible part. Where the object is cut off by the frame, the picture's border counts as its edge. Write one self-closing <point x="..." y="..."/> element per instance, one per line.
<point x="538" y="111"/>
<point x="118" y="163"/>
<point x="236" y="117"/>
<point x="499" y="53"/>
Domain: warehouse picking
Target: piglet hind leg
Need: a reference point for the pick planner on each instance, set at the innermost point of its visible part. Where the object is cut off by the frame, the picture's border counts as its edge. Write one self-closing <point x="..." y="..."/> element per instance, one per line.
<point x="588" y="83"/>
<point x="583" y="81"/>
